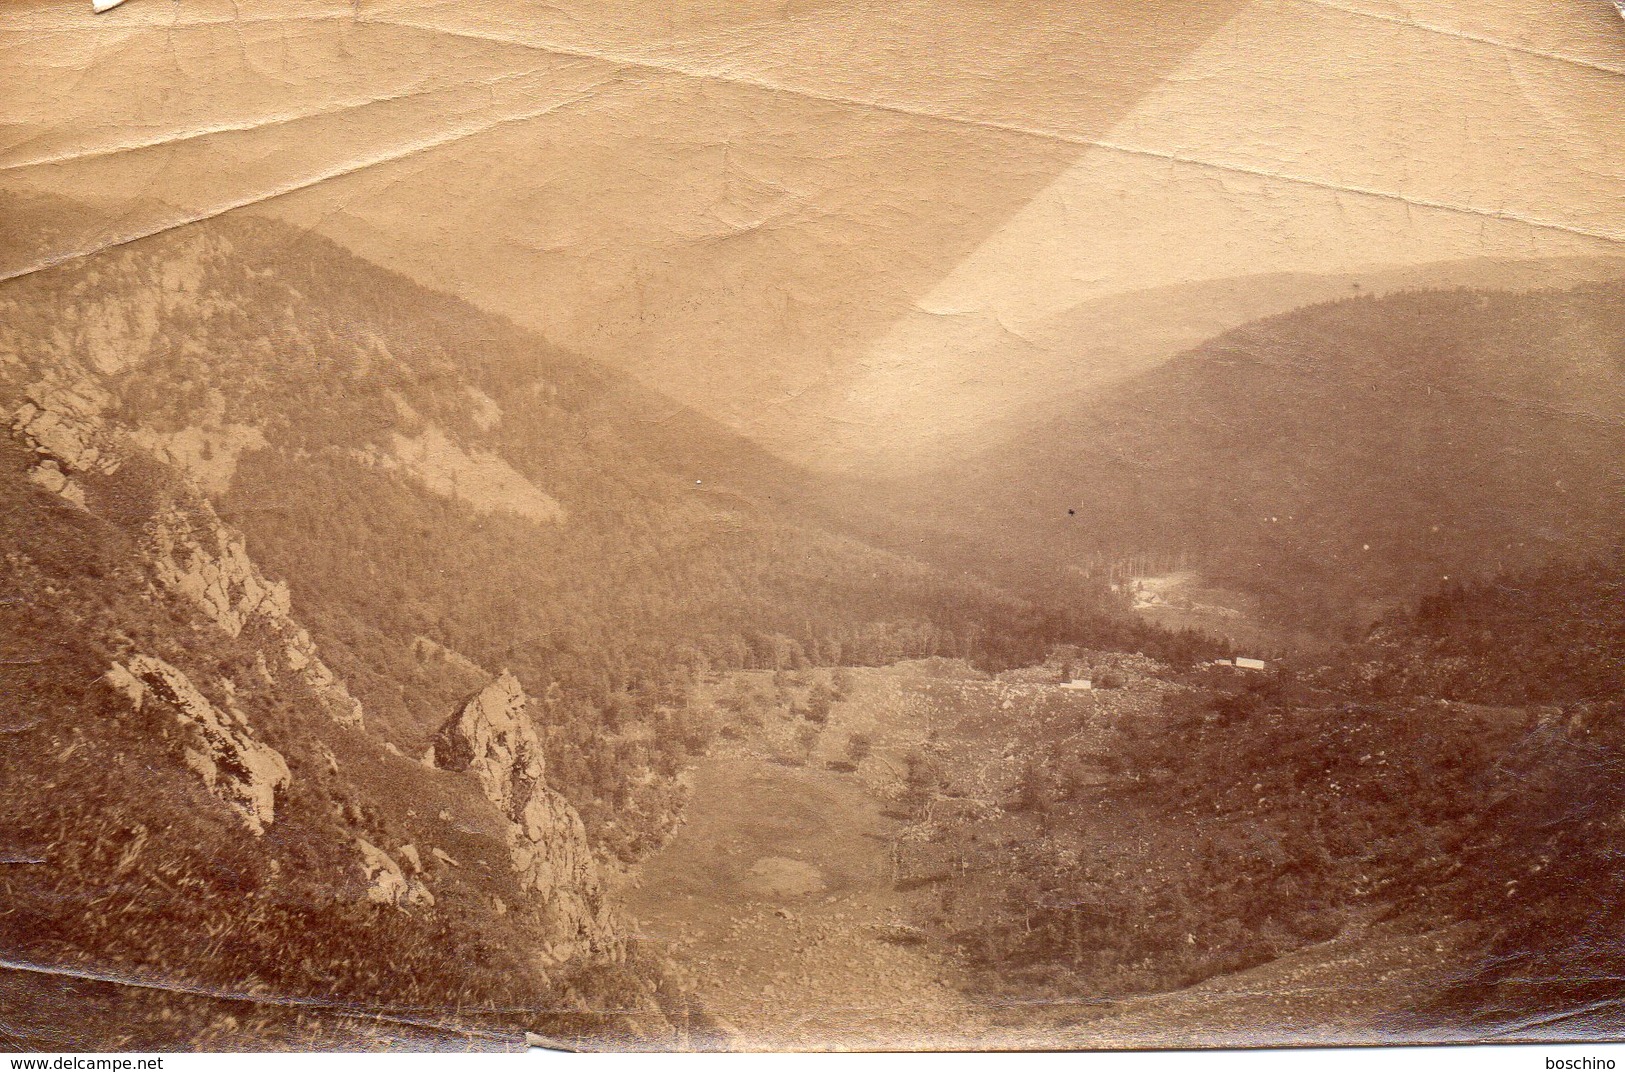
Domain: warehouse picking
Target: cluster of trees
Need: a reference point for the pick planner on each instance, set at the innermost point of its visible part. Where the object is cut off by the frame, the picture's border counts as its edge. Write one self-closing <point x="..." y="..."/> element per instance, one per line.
<point x="1554" y="635"/>
<point x="1546" y="870"/>
<point x="1268" y="810"/>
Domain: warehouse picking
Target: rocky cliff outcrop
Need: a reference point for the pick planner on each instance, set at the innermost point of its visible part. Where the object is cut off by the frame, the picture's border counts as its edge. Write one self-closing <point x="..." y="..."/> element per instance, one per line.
<point x="61" y="421"/>
<point x="49" y="475"/>
<point x="64" y="420"/>
<point x="196" y="556"/>
<point x="220" y="747"/>
<point x="388" y="882"/>
<point x="492" y="737"/>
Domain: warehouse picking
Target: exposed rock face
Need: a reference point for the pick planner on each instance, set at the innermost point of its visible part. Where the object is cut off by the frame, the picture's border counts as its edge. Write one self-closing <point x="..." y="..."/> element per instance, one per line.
<point x="478" y="478"/>
<point x="50" y="477"/>
<point x="492" y="737"/>
<point x="198" y="557"/>
<point x="243" y="772"/>
<point x="206" y="452"/>
<point x="387" y="883"/>
<point x="194" y="554"/>
<point x="62" y="420"/>
<point x="426" y="650"/>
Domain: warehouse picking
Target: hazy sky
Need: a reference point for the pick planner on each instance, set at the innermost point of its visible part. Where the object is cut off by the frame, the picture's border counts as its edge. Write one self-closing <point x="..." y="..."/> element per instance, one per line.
<point x="1300" y="138"/>
<point x="841" y="227"/>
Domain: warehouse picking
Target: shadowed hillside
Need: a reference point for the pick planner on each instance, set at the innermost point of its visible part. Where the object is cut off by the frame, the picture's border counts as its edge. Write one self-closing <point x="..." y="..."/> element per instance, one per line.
<point x="1332" y="460"/>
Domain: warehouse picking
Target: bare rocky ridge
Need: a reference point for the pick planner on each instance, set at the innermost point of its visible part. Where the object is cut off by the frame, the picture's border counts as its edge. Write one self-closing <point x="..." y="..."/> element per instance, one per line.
<point x="198" y="557"/>
<point x="62" y="422"/>
<point x="244" y="772"/>
<point x="193" y="553"/>
<point x="492" y="737"/>
<point x="388" y="882"/>
<point x="69" y="419"/>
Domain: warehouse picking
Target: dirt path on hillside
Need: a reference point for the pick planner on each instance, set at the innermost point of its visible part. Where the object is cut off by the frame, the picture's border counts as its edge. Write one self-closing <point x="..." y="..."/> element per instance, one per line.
<point x="776" y="895"/>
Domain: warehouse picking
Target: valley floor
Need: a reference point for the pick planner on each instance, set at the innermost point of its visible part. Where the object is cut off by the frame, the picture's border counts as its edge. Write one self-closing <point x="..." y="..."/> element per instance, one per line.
<point x="777" y="896"/>
<point x="779" y="899"/>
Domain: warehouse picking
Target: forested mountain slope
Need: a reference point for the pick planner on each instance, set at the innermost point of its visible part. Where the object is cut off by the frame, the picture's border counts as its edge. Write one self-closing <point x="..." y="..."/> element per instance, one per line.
<point x="1334" y="460"/>
<point x="351" y="630"/>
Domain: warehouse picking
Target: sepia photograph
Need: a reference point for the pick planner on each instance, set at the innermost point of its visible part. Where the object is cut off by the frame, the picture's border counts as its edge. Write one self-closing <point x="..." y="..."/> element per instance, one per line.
<point x="811" y="525"/>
